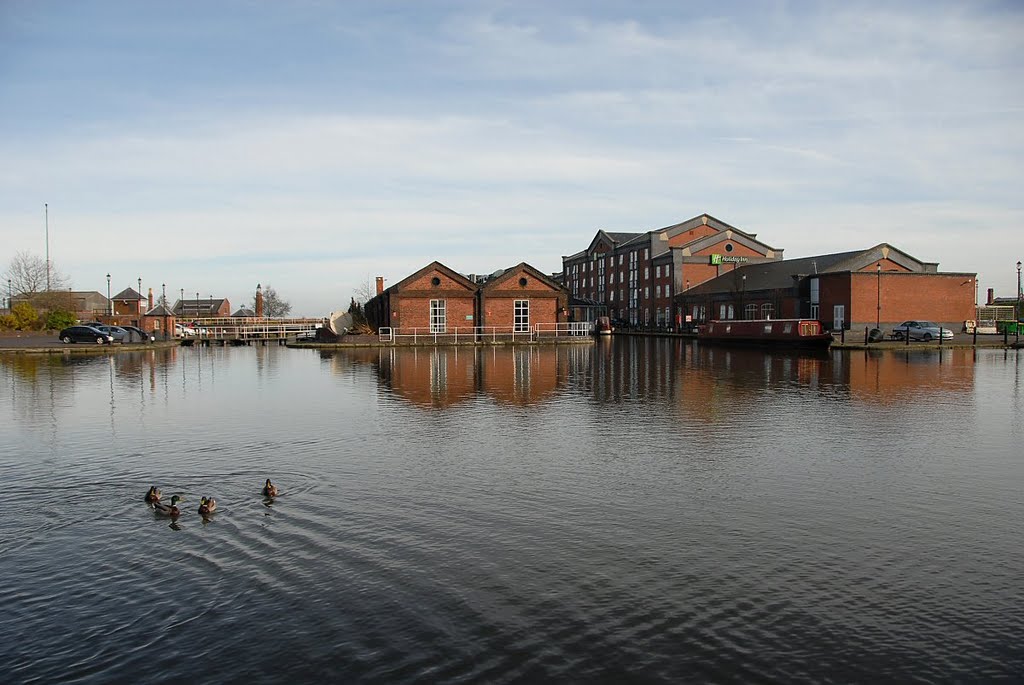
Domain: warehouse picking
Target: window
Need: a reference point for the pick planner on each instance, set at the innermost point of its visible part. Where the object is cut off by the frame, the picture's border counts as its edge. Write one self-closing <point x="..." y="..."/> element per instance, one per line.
<point x="521" y="322"/>
<point x="620" y="260"/>
<point x="657" y="271"/>
<point x="750" y="311"/>
<point x="647" y="253"/>
<point x="721" y="312"/>
<point x="657" y="291"/>
<point x="732" y="312"/>
<point x="438" y="318"/>
<point x="814" y="311"/>
<point x="647" y="316"/>
<point x="647" y="272"/>
<point x="767" y="309"/>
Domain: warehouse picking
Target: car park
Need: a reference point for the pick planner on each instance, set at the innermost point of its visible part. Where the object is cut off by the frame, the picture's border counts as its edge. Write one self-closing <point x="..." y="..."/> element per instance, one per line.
<point x="89" y="334"/>
<point x="921" y="330"/>
<point x="136" y="332"/>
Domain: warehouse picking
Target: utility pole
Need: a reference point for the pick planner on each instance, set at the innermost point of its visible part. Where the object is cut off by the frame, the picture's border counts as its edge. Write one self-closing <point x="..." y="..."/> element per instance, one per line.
<point x="46" y="210"/>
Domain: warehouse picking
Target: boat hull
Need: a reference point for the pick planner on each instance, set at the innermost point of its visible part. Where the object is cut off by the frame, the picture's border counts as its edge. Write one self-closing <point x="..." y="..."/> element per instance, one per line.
<point x="774" y="333"/>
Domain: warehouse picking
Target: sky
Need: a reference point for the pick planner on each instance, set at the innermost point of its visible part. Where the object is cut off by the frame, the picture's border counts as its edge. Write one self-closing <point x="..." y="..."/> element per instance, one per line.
<point x="314" y="145"/>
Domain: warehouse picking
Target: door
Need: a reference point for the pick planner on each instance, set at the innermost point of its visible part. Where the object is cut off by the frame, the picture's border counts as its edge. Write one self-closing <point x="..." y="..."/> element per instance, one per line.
<point x="838" y="316"/>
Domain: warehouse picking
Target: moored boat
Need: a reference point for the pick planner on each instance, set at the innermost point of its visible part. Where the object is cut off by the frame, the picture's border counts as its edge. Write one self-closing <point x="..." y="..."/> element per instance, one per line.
<point x="782" y="333"/>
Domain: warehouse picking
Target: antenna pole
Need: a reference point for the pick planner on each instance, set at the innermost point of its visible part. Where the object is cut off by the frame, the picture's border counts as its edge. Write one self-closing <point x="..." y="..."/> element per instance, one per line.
<point x="46" y="210"/>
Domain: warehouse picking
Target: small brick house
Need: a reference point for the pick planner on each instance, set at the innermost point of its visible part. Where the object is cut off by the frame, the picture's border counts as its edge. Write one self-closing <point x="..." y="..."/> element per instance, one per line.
<point x="522" y="297"/>
<point x="437" y="299"/>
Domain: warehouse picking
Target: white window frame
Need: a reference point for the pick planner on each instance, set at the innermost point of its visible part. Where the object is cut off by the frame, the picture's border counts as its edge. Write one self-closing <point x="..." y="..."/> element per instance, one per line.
<point x="521" y="316"/>
<point x="438" y="316"/>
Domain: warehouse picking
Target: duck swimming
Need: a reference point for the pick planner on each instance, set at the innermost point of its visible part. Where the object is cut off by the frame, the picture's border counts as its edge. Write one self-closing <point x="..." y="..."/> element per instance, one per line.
<point x="207" y="505"/>
<point x="168" y="509"/>
<point x="153" y="495"/>
<point x="269" y="490"/>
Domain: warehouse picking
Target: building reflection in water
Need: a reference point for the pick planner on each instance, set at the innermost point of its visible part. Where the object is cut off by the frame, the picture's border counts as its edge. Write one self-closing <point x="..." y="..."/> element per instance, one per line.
<point x="439" y="377"/>
<point x="703" y="382"/>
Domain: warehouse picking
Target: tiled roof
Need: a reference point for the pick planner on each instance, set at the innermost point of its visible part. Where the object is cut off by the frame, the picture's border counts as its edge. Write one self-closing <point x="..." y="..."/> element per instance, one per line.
<point x="128" y="294"/>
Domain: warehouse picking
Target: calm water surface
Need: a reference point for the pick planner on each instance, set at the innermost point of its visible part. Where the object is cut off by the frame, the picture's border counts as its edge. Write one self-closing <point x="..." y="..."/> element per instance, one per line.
<point x="635" y="510"/>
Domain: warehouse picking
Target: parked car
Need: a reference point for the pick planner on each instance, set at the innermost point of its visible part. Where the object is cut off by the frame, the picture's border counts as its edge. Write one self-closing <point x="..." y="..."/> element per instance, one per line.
<point x="90" y="334"/>
<point x="921" y="330"/>
<point x="135" y="332"/>
<point x="119" y="334"/>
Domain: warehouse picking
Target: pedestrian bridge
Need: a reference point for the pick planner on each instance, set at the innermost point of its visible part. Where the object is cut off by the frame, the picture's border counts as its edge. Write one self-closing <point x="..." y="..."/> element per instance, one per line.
<point x="245" y="331"/>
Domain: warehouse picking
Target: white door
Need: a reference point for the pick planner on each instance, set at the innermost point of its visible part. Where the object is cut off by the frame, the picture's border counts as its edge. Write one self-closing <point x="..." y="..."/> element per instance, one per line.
<point x="838" y="316"/>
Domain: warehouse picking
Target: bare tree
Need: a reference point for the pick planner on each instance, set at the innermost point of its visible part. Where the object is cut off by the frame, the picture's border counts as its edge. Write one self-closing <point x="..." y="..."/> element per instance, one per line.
<point x="273" y="306"/>
<point x="28" y="275"/>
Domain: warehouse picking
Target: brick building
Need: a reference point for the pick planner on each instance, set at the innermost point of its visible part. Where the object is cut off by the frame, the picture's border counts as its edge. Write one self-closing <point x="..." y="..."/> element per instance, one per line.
<point x="880" y="286"/>
<point x="199" y="308"/>
<point x="636" y="276"/>
<point x="437" y="299"/>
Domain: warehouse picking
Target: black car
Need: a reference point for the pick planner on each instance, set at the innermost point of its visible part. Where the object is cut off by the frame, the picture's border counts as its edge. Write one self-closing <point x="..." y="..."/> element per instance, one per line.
<point x="73" y="334"/>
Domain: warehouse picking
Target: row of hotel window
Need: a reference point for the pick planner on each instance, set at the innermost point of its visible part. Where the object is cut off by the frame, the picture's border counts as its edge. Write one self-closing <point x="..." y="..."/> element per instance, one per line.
<point x="599" y="261"/>
<point x="439" y="316"/>
<point x="634" y="294"/>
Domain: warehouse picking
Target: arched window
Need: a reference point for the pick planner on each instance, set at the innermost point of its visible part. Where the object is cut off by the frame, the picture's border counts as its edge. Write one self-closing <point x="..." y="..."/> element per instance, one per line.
<point x="732" y="313"/>
<point x="750" y="311"/>
<point x="767" y="309"/>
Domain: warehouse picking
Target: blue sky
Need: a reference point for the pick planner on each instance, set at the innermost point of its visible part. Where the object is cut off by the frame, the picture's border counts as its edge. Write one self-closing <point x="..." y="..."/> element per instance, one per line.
<point x="315" y="145"/>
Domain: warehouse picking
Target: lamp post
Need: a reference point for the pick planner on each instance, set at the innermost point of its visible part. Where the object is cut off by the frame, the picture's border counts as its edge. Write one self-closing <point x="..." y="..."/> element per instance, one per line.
<point x="1017" y="322"/>
<point x="182" y="300"/>
<point x="197" y="304"/>
<point x="743" y="296"/>
<point x="878" y="288"/>
<point x="163" y="303"/>
<point x="110" y="303"/>
<point x="10" y="295"/>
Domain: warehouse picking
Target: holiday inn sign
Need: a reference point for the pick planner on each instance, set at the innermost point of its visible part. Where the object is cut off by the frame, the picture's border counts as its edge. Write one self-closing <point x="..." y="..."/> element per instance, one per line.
<point x="727" y="259"/>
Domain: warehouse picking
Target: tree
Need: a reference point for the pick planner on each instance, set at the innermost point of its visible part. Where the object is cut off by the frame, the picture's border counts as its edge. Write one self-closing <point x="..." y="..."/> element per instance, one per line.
<point x="273" y="306"/>
<point x="28" y="275"/>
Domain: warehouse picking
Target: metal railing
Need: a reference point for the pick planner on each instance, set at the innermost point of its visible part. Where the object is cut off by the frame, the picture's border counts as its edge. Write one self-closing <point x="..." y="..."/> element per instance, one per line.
<point x="229" y="328"/>
<point x="486" y="334"/>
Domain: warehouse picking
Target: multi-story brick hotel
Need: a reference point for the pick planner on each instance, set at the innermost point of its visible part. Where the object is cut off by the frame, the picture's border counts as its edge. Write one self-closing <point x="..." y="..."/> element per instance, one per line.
<point x="703" y="269"/>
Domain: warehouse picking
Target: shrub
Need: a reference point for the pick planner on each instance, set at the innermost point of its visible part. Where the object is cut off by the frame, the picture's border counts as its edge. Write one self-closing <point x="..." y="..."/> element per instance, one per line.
<point x="26" y="318"/>
<point x="6" y="322"/>
<point x="58" y="319"/>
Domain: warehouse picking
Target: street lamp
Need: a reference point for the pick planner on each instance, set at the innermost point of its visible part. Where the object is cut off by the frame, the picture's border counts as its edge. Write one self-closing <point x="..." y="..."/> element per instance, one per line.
<point x="743" y="295"/>
<point x="878" y="288"/>
<point x="110" y="303"/>
<point x="182" y="300"/>
<point x="163" y="303"/>
<point x="1017" y="322"/>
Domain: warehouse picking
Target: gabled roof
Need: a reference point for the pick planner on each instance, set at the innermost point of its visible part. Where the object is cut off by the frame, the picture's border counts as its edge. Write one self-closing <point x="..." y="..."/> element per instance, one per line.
<point x="508" y="274"/>
<point x="244" y="312"/>
<point x="128" y="294"/>
<point x="613" y="239"/>
<point x="438" y="266"/>
<point x="159" y="310"/>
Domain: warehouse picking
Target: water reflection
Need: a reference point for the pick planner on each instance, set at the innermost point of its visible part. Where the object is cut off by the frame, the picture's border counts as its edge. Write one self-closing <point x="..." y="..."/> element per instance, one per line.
<point x="699" y="379"/>
<point x="442" y="377"/>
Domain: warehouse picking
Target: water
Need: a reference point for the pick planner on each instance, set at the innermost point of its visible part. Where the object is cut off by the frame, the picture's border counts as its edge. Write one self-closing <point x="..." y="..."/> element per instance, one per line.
<point x="637" y="510"/>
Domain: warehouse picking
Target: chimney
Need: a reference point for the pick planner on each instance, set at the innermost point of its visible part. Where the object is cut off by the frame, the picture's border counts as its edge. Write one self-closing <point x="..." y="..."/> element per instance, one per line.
<point x="380" y="284"/>
<point x="259" y="301"/>
<point x="991" y="296"/>
<point x="150" y="299"/>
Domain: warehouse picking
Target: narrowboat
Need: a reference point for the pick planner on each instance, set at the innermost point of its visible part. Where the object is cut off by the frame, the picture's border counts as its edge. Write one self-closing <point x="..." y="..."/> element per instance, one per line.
<point x="603" y="326"/>
<point x="780" y="333"/>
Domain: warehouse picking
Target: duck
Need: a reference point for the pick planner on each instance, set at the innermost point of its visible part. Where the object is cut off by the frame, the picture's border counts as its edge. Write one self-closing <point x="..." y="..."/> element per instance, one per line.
<point x="168" y="509"/>
<point x="269" y="490"/>
<point x="153" y="495"/>
<point x="207" y="505"/>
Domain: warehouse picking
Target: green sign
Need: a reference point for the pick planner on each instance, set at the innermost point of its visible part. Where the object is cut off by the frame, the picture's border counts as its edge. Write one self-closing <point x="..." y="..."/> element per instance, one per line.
<point x="717" y="259"/>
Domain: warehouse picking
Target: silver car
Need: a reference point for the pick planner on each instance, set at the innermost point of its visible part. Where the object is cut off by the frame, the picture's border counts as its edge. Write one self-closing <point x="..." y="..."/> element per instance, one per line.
<point x="921" y="330"/>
